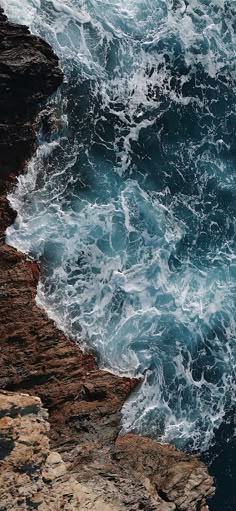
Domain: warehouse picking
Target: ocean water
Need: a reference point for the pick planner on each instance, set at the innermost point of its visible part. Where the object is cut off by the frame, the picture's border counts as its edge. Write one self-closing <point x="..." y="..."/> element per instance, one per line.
<point x="131" y="208"/>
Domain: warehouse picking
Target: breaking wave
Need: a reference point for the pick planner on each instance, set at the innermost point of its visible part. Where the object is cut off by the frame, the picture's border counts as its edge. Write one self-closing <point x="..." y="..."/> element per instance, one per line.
<point x="130" y="207"/>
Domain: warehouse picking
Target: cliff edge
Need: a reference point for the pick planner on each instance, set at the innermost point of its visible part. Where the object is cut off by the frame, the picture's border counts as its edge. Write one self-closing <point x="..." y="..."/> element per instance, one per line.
<point x="84" y="403"/>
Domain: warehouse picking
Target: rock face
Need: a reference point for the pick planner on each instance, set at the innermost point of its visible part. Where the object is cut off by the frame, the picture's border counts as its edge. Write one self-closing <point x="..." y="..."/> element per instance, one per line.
<point x="32" y="476"/>
<point x="29" y="73"/>
<point x="84" y="403"/>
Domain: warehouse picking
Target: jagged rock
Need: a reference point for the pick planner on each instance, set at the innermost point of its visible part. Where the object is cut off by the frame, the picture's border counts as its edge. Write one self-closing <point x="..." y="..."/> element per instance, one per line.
<point x="32" y="476"/>
<point x="29" y="73"/>
<point x="178" y="479"/>
<point x="142" y="475"/>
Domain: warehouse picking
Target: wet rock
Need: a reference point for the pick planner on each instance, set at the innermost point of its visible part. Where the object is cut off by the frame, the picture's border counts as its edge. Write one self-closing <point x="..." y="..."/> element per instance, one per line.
<point x="29" y="73"/>
<point x="49" y="121"/>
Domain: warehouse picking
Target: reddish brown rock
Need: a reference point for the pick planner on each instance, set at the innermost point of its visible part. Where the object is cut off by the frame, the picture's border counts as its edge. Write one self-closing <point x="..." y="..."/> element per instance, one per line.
<point x="38" y="358"/>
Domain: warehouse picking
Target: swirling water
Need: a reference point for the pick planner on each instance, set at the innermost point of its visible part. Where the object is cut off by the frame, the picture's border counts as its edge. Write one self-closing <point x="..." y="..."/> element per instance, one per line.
<point x="131" y="207"/>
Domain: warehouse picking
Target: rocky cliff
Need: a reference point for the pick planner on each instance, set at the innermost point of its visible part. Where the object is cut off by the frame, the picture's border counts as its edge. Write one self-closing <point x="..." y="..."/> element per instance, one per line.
<point x="84" y="403"/>
<point x="29" y="73"/>
<point x="32" y="476"/>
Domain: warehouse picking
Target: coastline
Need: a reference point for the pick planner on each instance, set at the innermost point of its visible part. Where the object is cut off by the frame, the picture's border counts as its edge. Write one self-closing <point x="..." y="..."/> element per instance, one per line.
<point x="84" y="403"/>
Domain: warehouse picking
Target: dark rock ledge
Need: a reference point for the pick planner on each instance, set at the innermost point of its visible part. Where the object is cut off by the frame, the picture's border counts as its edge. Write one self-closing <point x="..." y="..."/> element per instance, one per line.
<point x="84" y="403"/>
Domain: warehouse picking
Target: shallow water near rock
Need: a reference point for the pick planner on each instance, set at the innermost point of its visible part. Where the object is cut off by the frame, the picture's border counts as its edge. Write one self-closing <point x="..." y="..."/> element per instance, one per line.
<point x="130" y="207"/>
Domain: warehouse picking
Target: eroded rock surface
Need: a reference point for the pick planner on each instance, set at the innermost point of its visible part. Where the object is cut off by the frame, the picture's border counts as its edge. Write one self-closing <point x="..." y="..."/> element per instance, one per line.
<point x="84" y="403"/>
<point x="141" y="474"/>
<point x="32" y="476"/>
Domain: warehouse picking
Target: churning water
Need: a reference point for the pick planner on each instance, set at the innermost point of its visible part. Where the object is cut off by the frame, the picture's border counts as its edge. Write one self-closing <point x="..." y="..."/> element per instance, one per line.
<point x="131" y="207"/>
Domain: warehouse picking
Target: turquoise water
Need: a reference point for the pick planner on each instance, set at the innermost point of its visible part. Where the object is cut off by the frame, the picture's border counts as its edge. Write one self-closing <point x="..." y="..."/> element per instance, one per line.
<point x="131" y="207"/>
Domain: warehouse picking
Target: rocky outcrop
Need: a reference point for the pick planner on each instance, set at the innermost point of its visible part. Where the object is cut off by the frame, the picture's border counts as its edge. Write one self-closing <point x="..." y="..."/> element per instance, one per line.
<point x="31" y="475"/>
<point x="29" y="73"/>
<point x="34" y="477"/>
<point x="84" y="403"/>
<point x="168" y="475"/>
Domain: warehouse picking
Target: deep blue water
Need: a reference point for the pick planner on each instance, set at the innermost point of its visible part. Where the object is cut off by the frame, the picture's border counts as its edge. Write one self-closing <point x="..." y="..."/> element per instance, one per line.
<point x="131" y="208"/>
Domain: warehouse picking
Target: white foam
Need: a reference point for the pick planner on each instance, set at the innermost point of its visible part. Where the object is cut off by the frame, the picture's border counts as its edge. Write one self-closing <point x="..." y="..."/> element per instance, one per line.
<point x="107" y="240"/>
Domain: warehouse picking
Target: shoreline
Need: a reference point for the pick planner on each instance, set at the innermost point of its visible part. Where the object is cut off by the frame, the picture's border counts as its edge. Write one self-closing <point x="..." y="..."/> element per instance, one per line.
<point x="83" y="402"/>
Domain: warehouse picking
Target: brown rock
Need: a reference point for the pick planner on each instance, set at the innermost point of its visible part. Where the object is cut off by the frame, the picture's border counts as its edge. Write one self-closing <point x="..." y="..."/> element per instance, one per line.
<point x="176" y="477"/>
<point x="141" y="474"/>
<point x="32" y="476"/>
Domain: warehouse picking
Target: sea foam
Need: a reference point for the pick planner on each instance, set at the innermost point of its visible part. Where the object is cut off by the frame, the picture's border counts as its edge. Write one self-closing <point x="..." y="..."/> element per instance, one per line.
<point x="131" y="210"/>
